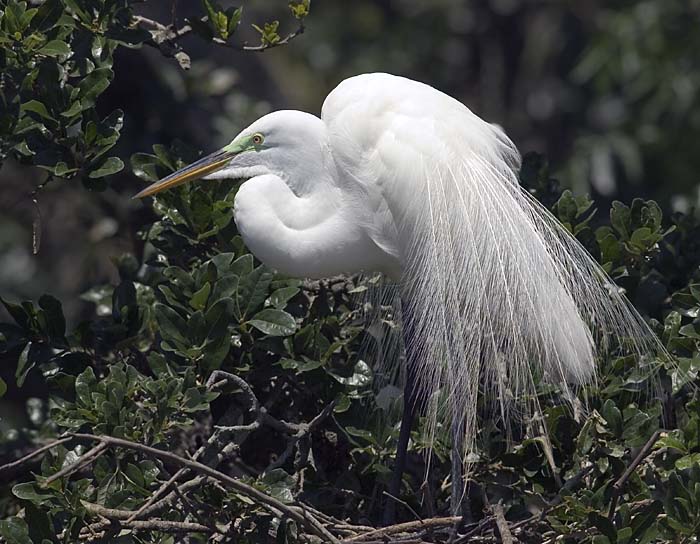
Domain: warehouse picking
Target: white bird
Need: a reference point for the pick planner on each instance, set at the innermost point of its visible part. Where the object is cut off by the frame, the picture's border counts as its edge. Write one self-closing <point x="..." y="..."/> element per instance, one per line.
<point x="399" y="178"/>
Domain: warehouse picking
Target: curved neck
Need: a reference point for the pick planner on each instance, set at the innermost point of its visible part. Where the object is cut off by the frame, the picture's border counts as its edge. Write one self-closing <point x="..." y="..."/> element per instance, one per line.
<point x="312" y="236"/>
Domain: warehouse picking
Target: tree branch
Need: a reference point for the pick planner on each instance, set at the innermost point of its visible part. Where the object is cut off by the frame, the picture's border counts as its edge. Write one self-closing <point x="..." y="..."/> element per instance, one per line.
<point x="617" y="486"/>
<point x="270" y="503"/>
<point x="161" y="525"/>
<point x="30" y="456"/>
<point x="114" y="513"/>
<point x="502" y="524"/>
<point x="82" y="461"/>
<point x="165" y="38"/>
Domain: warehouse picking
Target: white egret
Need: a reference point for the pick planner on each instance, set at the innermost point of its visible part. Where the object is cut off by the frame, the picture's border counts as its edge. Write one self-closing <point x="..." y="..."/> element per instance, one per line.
<point x="400" y="178"/>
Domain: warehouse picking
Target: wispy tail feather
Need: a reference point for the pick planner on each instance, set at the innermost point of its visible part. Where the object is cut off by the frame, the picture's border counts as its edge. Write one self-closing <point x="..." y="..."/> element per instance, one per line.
<point x="500" y="291"/>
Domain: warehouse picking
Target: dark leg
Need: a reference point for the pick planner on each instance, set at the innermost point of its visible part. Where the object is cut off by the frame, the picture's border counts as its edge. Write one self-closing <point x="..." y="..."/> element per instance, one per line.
<point x="457" y="490"/>
<point x="410" y="406"/>
<point x="409" y="412"/>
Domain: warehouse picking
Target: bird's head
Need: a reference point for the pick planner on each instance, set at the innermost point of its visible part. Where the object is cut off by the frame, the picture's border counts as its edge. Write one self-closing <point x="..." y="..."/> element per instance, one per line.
<point x="281" y="143"/>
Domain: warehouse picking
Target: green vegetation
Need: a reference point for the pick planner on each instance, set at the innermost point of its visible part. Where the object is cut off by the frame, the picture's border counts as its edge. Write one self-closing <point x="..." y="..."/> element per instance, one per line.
<point x="238" y="402"/>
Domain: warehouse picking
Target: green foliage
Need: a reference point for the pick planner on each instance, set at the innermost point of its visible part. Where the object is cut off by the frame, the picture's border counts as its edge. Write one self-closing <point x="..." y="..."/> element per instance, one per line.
<point x="268" y="33"/>
<point x="199" y="302"/>
<point x="56" y="60"/>
<point x="647" y="112"/>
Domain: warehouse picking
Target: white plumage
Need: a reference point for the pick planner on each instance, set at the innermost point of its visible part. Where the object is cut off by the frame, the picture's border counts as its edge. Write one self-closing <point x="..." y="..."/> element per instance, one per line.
<point x="400" y="178"/>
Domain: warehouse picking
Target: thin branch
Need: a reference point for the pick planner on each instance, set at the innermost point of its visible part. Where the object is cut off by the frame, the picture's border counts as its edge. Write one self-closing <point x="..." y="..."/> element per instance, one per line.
<point x="37" y="221"/>
<point x="82" y="461"/>
<point x="163" y="35"/>
<point x="617" y="486"/>
<point x="411" y="526"/>
<point x="272" y="504"/>
<point x="166" y="501"/>
<point x="403" y="503"/>
<point x="263" y="46"/>
<point x="219" y="378"/>
<point x="216" y="380"/>
<point x="161" y="525"/>
<point x="502" y="524"/>
<point x="303" y="430"/>
<point x="30" y="456"/>
<point x="157" y="495"/>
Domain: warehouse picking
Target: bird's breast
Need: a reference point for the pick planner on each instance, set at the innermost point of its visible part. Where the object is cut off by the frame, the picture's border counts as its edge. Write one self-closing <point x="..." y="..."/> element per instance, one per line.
<point x="314" y="236"/>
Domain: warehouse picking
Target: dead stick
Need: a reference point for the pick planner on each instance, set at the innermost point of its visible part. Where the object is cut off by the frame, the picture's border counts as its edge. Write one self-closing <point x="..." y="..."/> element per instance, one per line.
<point x="404" y="528"/>
<point x="161" y="525"/>
<point x="22" y="460"/>
<point x="269" y="502"/>
<point x="617" y="486"/>
<point x="82" y="461"/>
<point x="502" y="524"/>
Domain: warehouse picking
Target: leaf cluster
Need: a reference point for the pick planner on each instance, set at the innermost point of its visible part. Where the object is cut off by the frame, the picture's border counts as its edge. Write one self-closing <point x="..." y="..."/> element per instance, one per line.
<point x="198" y="302"/>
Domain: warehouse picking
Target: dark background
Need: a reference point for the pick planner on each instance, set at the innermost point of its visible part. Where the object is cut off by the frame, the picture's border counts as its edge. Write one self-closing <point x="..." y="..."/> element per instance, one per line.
<point x="606" y="90"/>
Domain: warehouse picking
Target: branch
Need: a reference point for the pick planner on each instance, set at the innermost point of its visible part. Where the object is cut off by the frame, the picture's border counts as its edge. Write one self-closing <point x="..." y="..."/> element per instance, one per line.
<point x="270" y="503"/>
<point x="165" y="39"/>
<point x="411" y="526"/>
<point x="214" y="440"/>
<point x="161" y="525"/>
<point x="30" y="456"/>
<point x="617" y="486"/>
<point x="157" y="495"/>
<point x="114" y="513"/>
<point x="502" y="524"/>
<point x="82" y="461"/>
<point x="263" y="46"/>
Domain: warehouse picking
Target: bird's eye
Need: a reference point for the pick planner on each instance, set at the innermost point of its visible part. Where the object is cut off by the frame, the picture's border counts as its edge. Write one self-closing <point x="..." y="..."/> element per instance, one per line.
<point x="258" y="139"/>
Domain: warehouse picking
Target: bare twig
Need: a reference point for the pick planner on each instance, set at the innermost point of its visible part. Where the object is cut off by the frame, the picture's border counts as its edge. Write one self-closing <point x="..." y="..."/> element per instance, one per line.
<point x="547" y="448"/>
<point x="157" y="495"/>
<point x="168" y="35"/>
<point x="617" y="486"/>
<point x="82" y="461"/>
<point x="219" y="378"/>
<point x="216" y="380"/>
<point x="37" y="223"/>
<point x="411" y="526"/>
<point x="502" y="524"/>
<point x="166" y="501"/>
<point x="161" y="525"/>
<point x="294" y="512"/>
<point x="302" y="431"/>
<point x="402" y="503"/>
<point x="30" y="456"/>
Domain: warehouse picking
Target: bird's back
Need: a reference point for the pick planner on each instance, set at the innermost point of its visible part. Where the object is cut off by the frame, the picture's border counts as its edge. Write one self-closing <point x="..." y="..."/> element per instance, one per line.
<point x="498" y="287"/>
<point x="386" y="130"/>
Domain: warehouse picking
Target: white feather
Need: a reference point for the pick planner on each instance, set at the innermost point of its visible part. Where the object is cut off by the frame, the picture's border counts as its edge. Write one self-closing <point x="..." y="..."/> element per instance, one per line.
<point x="499" y="290"/>
<point x="400" y="178"/>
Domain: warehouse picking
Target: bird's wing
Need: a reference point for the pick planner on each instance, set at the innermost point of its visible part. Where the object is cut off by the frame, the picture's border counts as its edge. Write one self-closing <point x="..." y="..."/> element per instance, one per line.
<point x="499" y="289"/>
<point x="384" y="130"/>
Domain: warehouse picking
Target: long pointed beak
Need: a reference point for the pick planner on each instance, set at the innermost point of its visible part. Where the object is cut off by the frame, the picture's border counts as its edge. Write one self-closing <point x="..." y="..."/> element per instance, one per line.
<point x="202" y="167"/>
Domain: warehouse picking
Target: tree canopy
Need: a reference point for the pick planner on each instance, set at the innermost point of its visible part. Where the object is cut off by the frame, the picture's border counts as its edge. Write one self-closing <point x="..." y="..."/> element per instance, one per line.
<point x="203" y="397"/>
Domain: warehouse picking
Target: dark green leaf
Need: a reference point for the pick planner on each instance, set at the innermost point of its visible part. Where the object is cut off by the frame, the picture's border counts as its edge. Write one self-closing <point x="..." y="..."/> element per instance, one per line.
<point x="55" y="48"/>
<point x="110" y="166"/>
<point x="274" y="322"/>
<point x="37" y="107"/>
<point x="170" y="324"/>
<point x="14" y="530"/>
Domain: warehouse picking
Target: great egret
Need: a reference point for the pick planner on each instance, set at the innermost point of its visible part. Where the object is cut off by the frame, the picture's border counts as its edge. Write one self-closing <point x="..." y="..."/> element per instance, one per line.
<point x="397" y="177"/>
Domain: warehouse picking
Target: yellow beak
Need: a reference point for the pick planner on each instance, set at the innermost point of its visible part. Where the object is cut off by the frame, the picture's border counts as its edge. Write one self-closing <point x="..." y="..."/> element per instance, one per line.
<point x="202" y="167"/>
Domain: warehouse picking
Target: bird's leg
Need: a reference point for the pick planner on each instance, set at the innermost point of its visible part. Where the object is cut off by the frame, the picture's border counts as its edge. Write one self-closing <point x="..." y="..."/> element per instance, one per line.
<point x="457" y="488"/>
<point x="409" y="412"/>
<point x="410" y="406"/>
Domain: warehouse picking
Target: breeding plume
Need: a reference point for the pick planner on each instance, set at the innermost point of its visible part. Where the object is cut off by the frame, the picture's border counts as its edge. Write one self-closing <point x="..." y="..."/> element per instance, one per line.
<point x="400" y="178"/>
